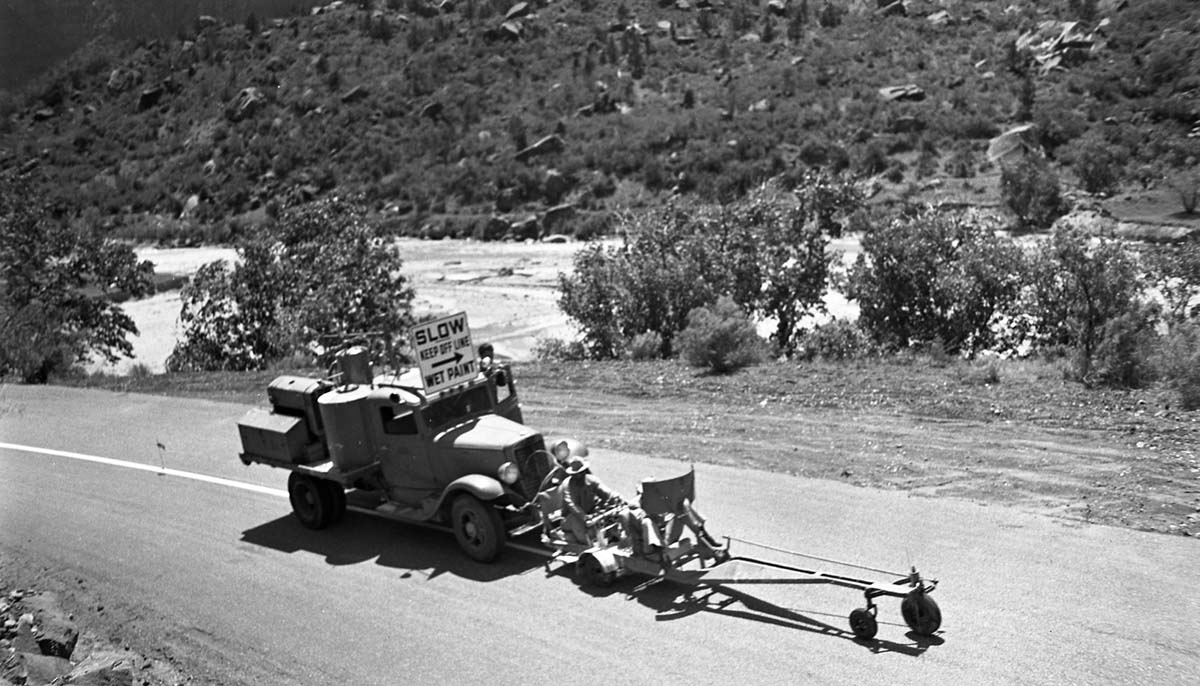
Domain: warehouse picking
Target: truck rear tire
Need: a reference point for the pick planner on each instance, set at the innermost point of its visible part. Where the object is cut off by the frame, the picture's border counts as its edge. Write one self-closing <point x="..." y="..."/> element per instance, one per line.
<point x="311" y="500"/>
<point x="477" y="527"/>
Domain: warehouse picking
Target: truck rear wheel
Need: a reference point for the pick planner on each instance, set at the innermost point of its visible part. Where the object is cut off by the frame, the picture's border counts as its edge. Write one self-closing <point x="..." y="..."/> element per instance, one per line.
<point x="477" y="527"/>
<point x="311" y="500"/>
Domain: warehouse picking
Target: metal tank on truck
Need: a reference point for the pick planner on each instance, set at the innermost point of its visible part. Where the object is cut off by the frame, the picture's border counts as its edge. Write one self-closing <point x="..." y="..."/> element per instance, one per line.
<point x="441" y="442"/>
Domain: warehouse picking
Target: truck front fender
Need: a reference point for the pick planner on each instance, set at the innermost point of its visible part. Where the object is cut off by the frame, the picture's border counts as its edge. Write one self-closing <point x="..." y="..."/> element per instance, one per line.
<point x="479" y="485"/>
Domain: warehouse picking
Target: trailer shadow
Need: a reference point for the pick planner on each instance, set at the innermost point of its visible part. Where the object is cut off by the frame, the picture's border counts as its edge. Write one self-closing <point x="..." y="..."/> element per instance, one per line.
<point x="672" y="602"/>
<point x="415" y="549"/>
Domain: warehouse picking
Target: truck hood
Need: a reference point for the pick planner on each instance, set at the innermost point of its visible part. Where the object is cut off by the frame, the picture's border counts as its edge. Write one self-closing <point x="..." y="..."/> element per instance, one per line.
<point x="484" y="433"/>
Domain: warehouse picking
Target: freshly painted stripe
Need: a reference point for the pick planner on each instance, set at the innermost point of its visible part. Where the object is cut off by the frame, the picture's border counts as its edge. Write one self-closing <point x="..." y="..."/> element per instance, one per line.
<point x="254" y="488"/>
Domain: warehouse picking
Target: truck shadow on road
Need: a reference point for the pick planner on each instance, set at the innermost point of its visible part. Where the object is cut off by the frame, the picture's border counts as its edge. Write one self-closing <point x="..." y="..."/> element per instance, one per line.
<point x="415" y="549"/>
<point x="673" y="602"/>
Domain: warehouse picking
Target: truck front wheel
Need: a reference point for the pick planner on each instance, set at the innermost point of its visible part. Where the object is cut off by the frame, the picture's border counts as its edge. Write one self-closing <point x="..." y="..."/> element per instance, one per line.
<point x="477" y="527"/>
<point x="311" y="501"/>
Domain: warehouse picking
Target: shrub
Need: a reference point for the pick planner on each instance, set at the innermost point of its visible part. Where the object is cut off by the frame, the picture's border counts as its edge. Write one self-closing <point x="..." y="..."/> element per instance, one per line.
<point x="837" y="339"/>
<point x="982" y="373"/>
<point x="1096" y="165"/>
<point x="935" y="275"/>
<point x="1124" y="356"/>
<point x="720" y="337"/>
<point x="1076" y="287"/>
<point x="645" y="346"/>
<point x="559" y="350"/>
<point x="1177" y="363"/>
<point x="1029" y="188"/>
<point x="1186" y="185"/>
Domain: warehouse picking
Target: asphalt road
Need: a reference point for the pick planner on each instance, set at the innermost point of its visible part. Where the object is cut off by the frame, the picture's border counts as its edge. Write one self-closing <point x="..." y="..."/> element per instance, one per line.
<point x="1025" y="599"/>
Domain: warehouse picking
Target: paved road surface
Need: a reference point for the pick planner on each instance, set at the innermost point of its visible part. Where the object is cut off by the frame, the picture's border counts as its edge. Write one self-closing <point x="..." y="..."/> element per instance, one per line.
<point x="1025" y="599"/>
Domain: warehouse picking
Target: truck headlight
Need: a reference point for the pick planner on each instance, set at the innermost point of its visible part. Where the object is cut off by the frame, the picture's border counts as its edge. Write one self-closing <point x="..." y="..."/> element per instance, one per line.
<point x="508" y="473"/>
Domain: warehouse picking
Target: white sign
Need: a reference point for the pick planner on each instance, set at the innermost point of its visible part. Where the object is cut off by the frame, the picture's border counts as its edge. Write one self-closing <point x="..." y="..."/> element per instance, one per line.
<point x="444" y="352"/>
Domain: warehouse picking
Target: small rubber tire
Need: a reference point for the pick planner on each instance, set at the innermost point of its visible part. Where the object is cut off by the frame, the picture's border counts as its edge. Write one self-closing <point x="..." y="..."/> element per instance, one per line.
<point x="477" y="528"/>
<point x="863" y="624"/>
<point x="589" y="570"/>
<point x="921" y="613"/>
<point x="310" y="500"/>
<point x="337" y="501"/>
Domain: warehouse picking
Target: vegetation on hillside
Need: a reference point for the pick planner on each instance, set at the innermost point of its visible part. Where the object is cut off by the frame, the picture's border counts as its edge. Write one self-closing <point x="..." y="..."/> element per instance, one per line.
<point x="443" y="116"/>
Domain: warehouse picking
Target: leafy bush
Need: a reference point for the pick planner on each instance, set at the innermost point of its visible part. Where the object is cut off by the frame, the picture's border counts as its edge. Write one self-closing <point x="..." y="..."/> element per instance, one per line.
<point x="1124" y="356"/>
<point x="645" y="346"/>
<point x="720" y="337"/>
<point x="837" y="339"/>
<point x="558" y="350"/>
<point x="1177" y="363"/>
<point x="1029" y="188"/>
<point x="55" y="286"/>
<point x="321" y="273"/>
<point x="1097" y="165"/>
<point x="768" y="253"/>
<point x="935" y="275"/>
<point x="1076" y="286"/>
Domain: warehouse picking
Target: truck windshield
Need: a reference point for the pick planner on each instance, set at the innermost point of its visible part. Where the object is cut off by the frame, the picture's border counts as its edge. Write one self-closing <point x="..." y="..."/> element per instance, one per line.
<point x="455" y="408"/>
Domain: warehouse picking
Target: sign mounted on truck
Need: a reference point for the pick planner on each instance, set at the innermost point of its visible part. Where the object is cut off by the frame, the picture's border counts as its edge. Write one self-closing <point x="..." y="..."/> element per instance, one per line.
<point x="444" y="352"/>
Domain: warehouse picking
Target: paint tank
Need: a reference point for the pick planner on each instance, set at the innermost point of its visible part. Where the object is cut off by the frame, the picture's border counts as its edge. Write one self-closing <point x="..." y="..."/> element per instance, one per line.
<point x="344" y="414"/>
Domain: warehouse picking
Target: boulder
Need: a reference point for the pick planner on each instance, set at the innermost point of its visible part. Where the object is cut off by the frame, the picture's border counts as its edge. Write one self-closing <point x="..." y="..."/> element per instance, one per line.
<point x="555" y="186"/>
<point x="550" y="144"/>
<point x="150" y="97"/>
<point x="190" y="206"/>
<point x="121" y="80"/>
<point x="30" y="668"/>
<point x="432" y="110"/>
<point x="1013" y="144"/>
<point x="1089" y="221"/>
<point x="355" y="94"/>
<point x="525" y="228"/>
<point x="43" y="114"/>
<point x="777" y="7"/>
<point x="248" y="102"/>
<point x="907" y="92"/>
<point x="941" y="18"/>
<point x="893" y="9"/>
<point x="205" y="21"/>
<point x="56" y="633"/>
<point x="554" y="218"/>
<point x="517" y="11"/>
<point x="103" y="668"/>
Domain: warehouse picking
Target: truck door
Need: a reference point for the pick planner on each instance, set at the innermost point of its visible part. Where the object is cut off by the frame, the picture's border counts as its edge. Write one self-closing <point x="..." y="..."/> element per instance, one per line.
<point x="405" y="460"/>
<point x="505" y="393"/>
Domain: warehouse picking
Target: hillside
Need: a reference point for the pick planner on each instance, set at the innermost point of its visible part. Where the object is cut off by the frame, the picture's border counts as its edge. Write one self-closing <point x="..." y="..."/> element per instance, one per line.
<point x="551" y="115"/>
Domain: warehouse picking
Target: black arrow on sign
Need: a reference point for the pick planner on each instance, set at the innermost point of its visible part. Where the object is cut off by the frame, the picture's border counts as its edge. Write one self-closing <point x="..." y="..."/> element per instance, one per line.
<point x="449" y="360"/>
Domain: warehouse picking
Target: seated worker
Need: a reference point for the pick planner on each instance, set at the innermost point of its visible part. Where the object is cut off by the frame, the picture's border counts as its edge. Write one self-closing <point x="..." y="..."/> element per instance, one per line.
<point x="584" y="495"/>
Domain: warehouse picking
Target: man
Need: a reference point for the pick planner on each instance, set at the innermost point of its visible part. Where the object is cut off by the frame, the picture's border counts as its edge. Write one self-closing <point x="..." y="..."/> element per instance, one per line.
<point x="585" y="495"/>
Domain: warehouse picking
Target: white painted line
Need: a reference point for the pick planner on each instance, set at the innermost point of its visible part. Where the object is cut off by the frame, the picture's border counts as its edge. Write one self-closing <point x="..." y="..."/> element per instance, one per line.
<point x="254" y="488"/>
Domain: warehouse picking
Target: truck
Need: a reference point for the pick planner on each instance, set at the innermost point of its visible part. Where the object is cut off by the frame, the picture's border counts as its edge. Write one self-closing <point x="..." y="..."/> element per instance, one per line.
<point x="459" y="455"/>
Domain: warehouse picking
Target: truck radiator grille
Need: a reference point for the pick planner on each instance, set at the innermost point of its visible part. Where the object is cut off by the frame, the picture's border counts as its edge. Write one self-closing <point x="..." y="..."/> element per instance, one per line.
<point x="534" y="463"/>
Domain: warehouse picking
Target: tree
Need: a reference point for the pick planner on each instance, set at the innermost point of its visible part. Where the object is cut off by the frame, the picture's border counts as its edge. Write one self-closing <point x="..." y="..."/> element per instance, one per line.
<point x="1030" y="189"/>
<point x="321" y="272"/>
<point x="768" y="253"/>
<point x="1078" y="285"/>
<point x="56" y="281"/>
<point x="931" y="275"/>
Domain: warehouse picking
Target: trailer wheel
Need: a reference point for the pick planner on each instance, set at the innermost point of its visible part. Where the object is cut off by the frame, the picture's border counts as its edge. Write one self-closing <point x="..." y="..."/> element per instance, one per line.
<point x="589" y="570"/>
<point x="921" y="613"/>
<point x="337" y="500"/>
<point x="310" y="500"/>
<point x="863" y="624"/>
<point x="477" y="527"/>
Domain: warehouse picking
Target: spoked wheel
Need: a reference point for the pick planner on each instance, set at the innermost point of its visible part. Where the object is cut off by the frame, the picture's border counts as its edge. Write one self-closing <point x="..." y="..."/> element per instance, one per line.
<point x="863" y="624"/>
<point x="311" y="500"/>
<point x="591" y="572"/>
<point x="477" y="527"/>
<point x="921" y="613"/>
